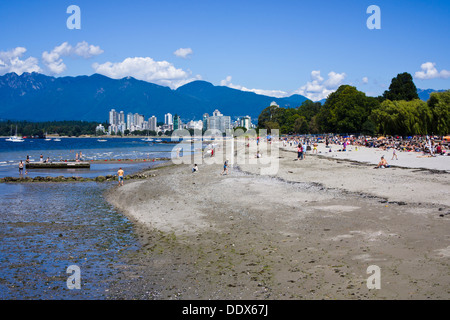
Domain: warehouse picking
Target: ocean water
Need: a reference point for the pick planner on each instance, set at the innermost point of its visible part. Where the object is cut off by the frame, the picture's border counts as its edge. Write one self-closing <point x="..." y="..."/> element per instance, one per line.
<point x="115" y="148"/>
<point x="47" y="227"/>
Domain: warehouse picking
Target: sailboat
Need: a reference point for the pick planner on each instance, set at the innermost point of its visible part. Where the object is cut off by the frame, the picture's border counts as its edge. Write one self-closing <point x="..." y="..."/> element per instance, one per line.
<point x="15" y="138"/>
<point x="47" y="139"/>
<point x="147" y="139"/>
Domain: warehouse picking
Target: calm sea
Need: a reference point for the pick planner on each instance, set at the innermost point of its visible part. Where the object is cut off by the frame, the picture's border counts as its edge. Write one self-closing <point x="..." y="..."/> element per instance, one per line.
<point x="46" y="227"/>
<point x="115" y="148"/>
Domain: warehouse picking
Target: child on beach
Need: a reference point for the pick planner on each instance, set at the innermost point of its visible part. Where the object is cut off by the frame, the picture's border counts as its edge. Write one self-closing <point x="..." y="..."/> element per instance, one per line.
<point x="225" y="167"/>
<point x="195" y="168"/>
<point x="394" y="154"/>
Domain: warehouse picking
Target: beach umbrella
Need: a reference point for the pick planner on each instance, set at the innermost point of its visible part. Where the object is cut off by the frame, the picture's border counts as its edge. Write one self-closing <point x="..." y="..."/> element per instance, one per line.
<point x="381" y="138"/>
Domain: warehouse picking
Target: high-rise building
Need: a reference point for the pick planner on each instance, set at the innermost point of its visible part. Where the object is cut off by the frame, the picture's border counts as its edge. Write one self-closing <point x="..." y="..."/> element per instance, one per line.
<point x="152" y="123"/>
<point x="121" y="117"/>
<point x="218" y="121"/>
<point x="177" y="122"/>
<point x="113" y="117"/>
<point x="245" y="122"/>
<point x="168" y="119"/>
<point x="130" y="120"/>
<point x="205" y="121"/>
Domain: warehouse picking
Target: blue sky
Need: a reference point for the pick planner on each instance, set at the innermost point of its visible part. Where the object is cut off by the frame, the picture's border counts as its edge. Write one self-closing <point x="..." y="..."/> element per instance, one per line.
<point x="272" y="47"/>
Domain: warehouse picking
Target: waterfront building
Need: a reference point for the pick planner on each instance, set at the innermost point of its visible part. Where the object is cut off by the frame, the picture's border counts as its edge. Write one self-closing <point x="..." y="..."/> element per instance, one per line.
<point x="245" y="122"/>
<point x="168" y="119"/>
<point x="152" y="123"/>
<point x="218" y="121"/>
<point x="177" y="124"/>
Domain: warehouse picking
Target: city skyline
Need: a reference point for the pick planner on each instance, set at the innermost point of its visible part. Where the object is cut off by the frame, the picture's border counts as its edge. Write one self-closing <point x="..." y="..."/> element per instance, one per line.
<point x="118" y="123"/>
<point x="272" y="48"/>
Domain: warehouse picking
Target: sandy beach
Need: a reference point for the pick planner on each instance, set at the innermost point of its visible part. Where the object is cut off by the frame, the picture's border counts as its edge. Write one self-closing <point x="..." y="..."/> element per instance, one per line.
<point x="310" y="231"/>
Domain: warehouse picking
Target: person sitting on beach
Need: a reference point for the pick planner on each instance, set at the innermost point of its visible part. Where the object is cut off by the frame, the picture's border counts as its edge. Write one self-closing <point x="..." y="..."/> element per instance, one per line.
<point x="383" y="163"/>
<point x="195" y="168"/>
<point x="120" y="174"/>
<point x="440" y="149"/>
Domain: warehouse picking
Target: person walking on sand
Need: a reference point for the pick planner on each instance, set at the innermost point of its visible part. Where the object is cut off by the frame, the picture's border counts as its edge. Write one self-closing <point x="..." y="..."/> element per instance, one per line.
<point x="120" y="174"/>
<point x="225" y="167"/>
<point x="299" y="152"/>
<point x="21" y="167"/>
<point x="394" y="154"/>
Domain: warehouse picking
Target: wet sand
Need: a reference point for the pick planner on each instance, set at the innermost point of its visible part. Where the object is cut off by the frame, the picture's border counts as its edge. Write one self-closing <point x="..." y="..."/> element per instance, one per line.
<point x="308" y="232"/>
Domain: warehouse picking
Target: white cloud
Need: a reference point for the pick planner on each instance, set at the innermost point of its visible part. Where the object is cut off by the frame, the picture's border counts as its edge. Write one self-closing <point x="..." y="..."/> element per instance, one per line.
<point x="85" y="50"/>
<point x="272" y="93"/>
<point x="183" y="52"/>
<point x="10" y="62"/>
<point x="53" y="59"/>
<point x="147" y="69"/>
<point x="318" y="89"/>
<point x="365" y="80"/>
<point x="429" y="71"/>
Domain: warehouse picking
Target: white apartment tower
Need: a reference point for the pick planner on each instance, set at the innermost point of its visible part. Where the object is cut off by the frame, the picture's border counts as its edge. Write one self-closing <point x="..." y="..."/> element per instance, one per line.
<point x="168" y="119"/>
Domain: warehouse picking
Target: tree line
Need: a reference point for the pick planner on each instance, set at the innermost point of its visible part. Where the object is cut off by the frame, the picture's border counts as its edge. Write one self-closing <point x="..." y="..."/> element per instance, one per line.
<point x="398" y="111"/>
<point x="40" y="129"/>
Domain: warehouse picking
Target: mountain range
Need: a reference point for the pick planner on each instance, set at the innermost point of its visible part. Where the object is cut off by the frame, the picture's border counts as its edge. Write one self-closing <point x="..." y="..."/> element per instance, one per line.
<point x="38" y="97"/>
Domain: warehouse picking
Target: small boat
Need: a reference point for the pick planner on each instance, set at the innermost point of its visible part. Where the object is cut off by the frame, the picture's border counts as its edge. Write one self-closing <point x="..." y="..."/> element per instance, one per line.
<point x="101" y="140"/>
<point x="15" y="138"/>
<point x="148" y="139"/>
<point x="158" y="140"/>
<point x="56" y="139"/>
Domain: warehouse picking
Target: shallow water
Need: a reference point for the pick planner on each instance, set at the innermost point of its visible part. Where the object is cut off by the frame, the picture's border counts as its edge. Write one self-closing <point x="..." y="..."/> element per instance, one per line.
<point x="45" y="228"/>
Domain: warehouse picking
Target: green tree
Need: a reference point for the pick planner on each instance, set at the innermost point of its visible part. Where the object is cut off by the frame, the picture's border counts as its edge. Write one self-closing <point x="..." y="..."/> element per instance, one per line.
<point x="439" y="104"/>
<point x="345" y="110"/>
<point x="402" y="88"/>
<point x="272" y="115"/>
<point x="402" y="117"/>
